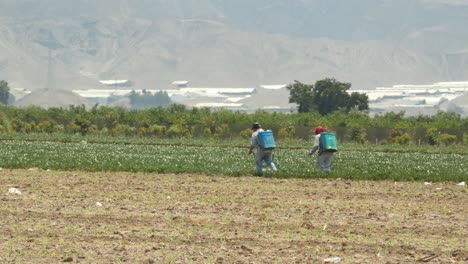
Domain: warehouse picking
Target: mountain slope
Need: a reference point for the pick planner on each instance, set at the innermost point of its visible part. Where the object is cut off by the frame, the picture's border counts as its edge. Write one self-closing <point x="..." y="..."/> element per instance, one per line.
<point x="71" y="44"/>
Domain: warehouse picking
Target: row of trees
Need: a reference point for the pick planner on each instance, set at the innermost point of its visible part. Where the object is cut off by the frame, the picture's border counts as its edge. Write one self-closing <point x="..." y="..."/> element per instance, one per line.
<point x="148" y="100"/>
<point x="325" y="103"/>
<point x="181" y="121"/>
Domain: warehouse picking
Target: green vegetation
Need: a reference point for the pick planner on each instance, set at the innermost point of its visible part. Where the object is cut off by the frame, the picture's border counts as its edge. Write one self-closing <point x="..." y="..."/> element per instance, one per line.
<point x="187" y="157"/>
<point x="4" y="92"/>
<point x="326" y="96"/>
<point x="291" y="144"/>
<point x="177" y="121"/>
<point x="148" y="100"/>
<point x="180" y="140"/>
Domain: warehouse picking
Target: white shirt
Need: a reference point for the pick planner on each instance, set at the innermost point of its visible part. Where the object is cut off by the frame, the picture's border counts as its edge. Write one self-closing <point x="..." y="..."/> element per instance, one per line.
<point x="317" y="140"/>
<point x="254" y="143"/>
<point x="316" y="145"/>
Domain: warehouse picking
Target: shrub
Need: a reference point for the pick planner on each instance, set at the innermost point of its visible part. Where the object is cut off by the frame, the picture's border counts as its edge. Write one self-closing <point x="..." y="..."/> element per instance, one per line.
<point x="207" y="132"/>
<point x="104" y="131"/>
<point x="47" y="126"/>
<point x="73" y="128"/>
<point x="18" y="126"/>
<point x="402" y="140"/>
<point x="222" y="131"/>
<point x="4" y="122"/>
<point x="157" y="130"/>
<point x="394" y="132"/>
<point x="123" y="130"/>
<point x="187" y="132"/>
<point x="142" y="131"/>
<point x="432" y="135"/>
<point x="287" y="132"/>
<point x="465" y="139"/>
<point x="177" y="131"/>
<point x="246" y="133"/>
<point x="446" y="139"/>
<point x="59" y="129"/>
<point x="30" y="127"/>
<point x="93" y="130"/>
<point x="359" y="135"/>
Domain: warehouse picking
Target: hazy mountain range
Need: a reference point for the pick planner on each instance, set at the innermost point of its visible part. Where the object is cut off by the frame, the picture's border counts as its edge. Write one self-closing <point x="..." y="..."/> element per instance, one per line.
<point x="72" y="44"/>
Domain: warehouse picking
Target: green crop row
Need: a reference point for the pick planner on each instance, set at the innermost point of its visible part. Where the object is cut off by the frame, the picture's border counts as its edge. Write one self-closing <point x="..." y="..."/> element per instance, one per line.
<point x="234" y="142"/>
<point x="233" y="161"/>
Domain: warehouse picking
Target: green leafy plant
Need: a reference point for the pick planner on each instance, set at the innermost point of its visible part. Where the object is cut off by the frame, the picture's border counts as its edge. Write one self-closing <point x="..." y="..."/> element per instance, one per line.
<point x="287" y="132"/>
<point x="446" y="139"/>
<point x="246" y="133"/>
<point x="432" y="135"/>
<point x="359" y="135"/>
<point x="402" y="139"/>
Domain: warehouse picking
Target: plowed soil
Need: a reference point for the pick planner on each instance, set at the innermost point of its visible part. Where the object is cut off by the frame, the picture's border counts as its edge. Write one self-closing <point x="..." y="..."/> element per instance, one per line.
<point x="151" y="218"/>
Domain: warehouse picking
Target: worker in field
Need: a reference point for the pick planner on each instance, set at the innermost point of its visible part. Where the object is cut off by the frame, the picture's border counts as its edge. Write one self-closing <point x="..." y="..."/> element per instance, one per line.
<point x="263" y="142"/>
<point x="325" y="143"/>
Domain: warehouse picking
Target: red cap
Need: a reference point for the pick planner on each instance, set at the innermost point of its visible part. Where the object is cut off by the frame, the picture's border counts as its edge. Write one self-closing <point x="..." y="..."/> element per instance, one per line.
<point x="318" y="130"/>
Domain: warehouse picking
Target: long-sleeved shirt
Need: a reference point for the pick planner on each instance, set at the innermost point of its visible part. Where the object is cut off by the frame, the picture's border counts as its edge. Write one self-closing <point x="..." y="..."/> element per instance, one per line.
<point x="254" y="142"/>
<point x="316" y="145"/>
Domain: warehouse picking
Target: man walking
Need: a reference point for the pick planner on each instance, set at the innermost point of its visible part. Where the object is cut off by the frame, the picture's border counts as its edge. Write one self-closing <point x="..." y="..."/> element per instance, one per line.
<point x="325" y="157"/>
<point x="261" y="154"/>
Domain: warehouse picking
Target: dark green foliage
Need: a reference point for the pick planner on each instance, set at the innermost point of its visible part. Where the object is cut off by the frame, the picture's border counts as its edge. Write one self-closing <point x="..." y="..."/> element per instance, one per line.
<point x="359" y="135"/>
<point x="148" y="100"/>
<point x="397" y="136"/>
<point x="301" y="94"/>
<point x="329" y="95"/>
<point x="432" y="135"/>
<point x="326" y="96"/>
<point x="180" y="121"/>
<point x="447" y="139"/>
<point x="4" y="92"/>
<point x="402" y="139"/>
<point x="358" y="101"/>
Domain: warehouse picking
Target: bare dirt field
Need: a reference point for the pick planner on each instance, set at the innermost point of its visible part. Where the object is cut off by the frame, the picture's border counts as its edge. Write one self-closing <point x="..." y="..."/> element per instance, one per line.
<point x="152" y="218"/>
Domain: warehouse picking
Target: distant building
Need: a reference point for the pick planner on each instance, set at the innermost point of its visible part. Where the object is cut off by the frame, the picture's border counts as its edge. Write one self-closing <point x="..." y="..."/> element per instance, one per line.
<point x="273" y="86"/>
<point x="102" y="96"/>
<point x="180" y="84"/>
<point x="19" y="93"/>
<point x="413" y="98"/>
<point x="218" y="92"/>
<point x="217" y="106"/>
<point x="116" y="83"/>
<point x="271" y="98"/>
<point x="212" y="97"/>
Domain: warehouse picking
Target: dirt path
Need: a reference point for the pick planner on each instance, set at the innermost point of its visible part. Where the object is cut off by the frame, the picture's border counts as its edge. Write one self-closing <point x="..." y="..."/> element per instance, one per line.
<point x="151" y="218"/>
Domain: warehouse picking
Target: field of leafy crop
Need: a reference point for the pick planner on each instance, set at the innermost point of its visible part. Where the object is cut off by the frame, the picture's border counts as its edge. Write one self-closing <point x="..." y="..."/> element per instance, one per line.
<point x="350" y="162"/>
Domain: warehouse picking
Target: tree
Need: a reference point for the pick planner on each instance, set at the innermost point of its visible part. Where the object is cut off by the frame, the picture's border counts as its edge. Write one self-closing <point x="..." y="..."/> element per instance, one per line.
<point x="326" y="96"/>
<point x="358" y="101"/>
<point x="4" y="92"/>
<point x="329" y="95"/>
<point x="301" y="94"/>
